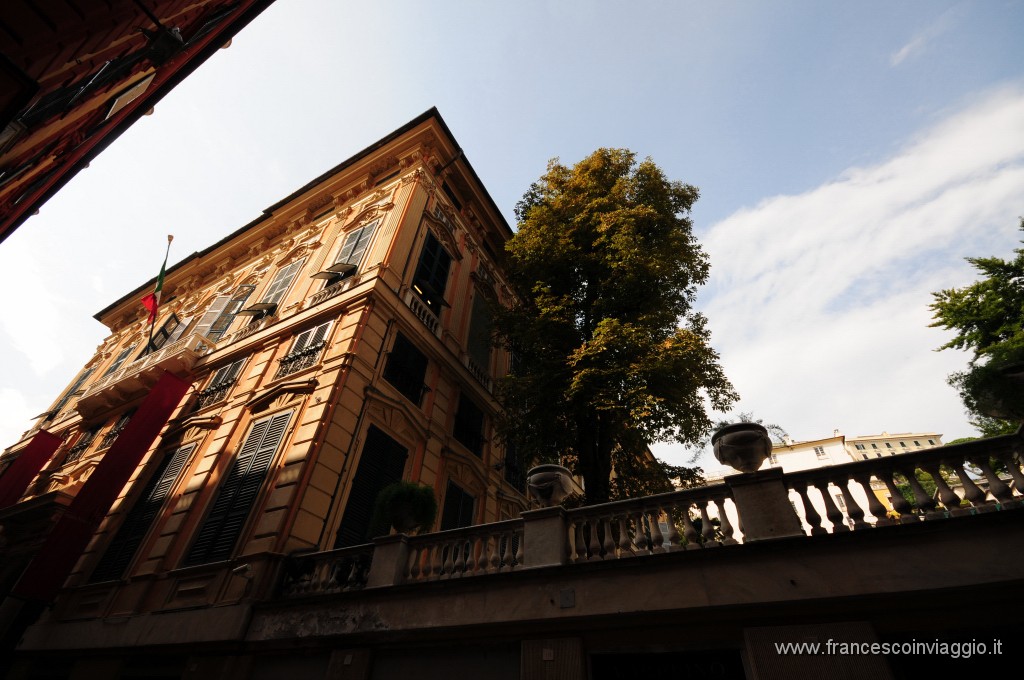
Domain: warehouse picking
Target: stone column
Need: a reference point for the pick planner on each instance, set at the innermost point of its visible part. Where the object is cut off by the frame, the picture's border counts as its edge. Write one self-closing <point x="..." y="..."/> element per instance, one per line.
<point x="762" y="503"/>
<point x="545" y="538"/>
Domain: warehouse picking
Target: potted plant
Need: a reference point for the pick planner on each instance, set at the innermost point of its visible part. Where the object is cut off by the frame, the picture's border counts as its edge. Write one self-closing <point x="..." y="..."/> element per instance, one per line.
<point x="743" y="446"/>
<point x="406" y="506"/>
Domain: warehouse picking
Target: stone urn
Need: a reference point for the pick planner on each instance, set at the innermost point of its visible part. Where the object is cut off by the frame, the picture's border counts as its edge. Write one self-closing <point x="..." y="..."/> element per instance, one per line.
<point x="549" y="484"/>
<point x="743" y="446"/>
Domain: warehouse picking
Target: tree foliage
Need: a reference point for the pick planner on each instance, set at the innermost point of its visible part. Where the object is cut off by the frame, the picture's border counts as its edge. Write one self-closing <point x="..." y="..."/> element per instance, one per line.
<point x="988" y="317"/>
<point x="609" y="352"/>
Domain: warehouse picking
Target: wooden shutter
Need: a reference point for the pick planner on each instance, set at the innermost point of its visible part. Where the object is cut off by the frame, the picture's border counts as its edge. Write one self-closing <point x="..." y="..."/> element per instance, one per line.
<point x="120" y="359"/>
<point x="406" y="368"/>
<point x="382" y="463"/>
<point x="432" y="270"/>
<point x="212" y="314"/>
<point x="479" y="342"/>
<point x="355" y="244"/>
<point x="136" y="525"/>
<point x="310" y="337"/>
<point x="227" y="374"/>
<point x="458" y="508"/>
<point x="281" y="281"/>
<point x="217" y="537"/>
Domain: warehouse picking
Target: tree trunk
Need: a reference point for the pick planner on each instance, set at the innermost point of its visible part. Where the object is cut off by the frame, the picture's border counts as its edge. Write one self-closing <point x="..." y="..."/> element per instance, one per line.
<point x="594" y="452"/>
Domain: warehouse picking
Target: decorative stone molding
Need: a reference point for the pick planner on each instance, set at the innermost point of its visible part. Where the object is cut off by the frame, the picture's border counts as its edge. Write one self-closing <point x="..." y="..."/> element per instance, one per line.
<point x="281" y="394"/>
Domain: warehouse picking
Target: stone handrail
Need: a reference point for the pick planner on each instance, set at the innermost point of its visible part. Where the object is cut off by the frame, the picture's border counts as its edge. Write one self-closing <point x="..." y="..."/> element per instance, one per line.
<point x="482" y="549"/>
<point x="194" y="342"/>
<point x="678" y="520"/>
<point x="948" y="467"/>
<point x="744" y="508"/>
<point x="334" y="571"/>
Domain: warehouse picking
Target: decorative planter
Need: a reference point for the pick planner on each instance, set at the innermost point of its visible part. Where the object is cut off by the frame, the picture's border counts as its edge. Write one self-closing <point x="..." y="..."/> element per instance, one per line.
<point x="743" y="446"/>
<point x="549" y="484"/>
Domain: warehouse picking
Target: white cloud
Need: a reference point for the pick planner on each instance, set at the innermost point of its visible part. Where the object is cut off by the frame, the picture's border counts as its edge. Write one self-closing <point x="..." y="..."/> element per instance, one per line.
<point x="819" y="301"/>
<point x="921" y="40"/>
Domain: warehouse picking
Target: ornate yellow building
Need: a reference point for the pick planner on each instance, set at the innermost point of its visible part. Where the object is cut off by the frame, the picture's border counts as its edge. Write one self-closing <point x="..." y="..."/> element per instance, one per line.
<point x="335" y="344"/>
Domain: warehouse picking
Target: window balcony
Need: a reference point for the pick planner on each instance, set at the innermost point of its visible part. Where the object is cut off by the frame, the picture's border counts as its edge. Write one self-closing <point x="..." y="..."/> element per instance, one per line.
<point x="135" y="378"/>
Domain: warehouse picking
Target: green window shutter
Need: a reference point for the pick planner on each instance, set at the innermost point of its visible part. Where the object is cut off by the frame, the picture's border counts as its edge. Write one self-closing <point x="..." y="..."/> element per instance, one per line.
<point x="458" y="508"/>
<point x="382" y="463"/>
<point x="479" y="342"/>
<point x="218" y="535"/>
<point x="136" y="525"/>
<point x="355" y="244"/>
<point x="406" y="368"/>
<point x="214" y="312"/>
<point x="120" y="359"/>
<point x="431" y="277"/>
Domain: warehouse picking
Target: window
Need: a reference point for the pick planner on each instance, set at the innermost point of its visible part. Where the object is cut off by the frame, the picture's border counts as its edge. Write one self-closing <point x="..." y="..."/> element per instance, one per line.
<point x="874" y="446"/>
<point x="513" y="468"/>
<point x="469" y="425"/>
<point x="932" y="442"/>
<point x="169" y="332"/>
<point x="478" y="344"/>
<point x="406" y="368"/>
<point x="431" y="277"/>
<point x="72" y="391"/>
<point x="138" y="521"/>
<point x="381" y="464"/>
<point x="458" y="508"/>
<point x="223" y="310"/>
<point x="85" y="440"/>
<point x="218" y="535"/>
<point x="888" y="445"/>
<point x="354" y="246"/>
<point x="119" y="360"/>
<point x="903" y="445"/>
<point x="840" y="502"/>
<point x="864" y="456"/>
<point x="119" y="425"/>
<point x="773" y="458"/>
<point x="860" y="447"/>
<point x="282" y="280"/>
<point x="917" y="443"/>
<point x="220" y="384"/>
<point x="820" y="452"/>
<point x="305" y="350"/>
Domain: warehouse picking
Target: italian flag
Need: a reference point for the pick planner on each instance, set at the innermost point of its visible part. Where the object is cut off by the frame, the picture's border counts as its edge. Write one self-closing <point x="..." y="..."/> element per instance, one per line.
<point x="152" y="300"/>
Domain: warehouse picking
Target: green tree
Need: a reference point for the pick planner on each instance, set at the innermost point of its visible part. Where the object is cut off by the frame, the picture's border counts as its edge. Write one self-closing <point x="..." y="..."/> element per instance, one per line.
<point x="988" y="317"/>
<point x="609" y="352"/>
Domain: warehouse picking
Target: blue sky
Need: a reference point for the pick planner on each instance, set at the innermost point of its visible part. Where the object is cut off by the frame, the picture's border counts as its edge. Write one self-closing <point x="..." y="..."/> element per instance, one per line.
<point x="849" y="156"/>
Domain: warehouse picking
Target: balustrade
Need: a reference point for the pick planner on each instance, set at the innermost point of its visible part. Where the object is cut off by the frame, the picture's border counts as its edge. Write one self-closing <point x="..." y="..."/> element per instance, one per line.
<point x="483" y="549"/>
<point x="335" y="571"/>
<point x="965" y="478"/>
<point x="680" y="520"/>
<point x="297" y="361"/>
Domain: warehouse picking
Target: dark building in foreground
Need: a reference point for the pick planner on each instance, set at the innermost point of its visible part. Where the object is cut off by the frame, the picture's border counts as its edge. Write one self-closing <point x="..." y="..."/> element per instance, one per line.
<point x="74" y="74"/>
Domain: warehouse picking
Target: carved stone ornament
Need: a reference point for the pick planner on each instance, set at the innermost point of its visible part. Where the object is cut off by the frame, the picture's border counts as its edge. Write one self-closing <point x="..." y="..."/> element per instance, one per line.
<point x="743" y="446"/>
<point x="549" y="484"/>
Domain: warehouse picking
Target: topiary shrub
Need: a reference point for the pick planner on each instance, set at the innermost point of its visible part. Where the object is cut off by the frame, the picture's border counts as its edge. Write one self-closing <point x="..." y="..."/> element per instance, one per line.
<point x="406" y="506"/>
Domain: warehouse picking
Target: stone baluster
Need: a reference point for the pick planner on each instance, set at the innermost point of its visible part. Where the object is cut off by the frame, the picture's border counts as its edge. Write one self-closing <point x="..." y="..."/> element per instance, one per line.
<point x="656" y="538"/>
<point x="853" y="508"/>
<point x="494" y="558"/>
<point x="640" y="534"/>
<point x="579" y="544"/>
<point x="996" y="486"/>
<point x="609" y="542"/>
<point x="692" y="538"/>
<point x="947" y="496"/>
<point x="899" y="503"/>
<point x="832" y="511"/>
<point x="673" y="531"/>
<point x="875" y="506"/>
<point x="461" y="547"/>
<point x="811" y="515"/>
<point x="448" y="565"/>
<point x="922" y="500"/>
<point x="1012" y="462"/>
<point x="726" y="527"/>
<point x="415" y="554"/>
<point x="484" y="544"/>
<point x="594" y="546"/>
<point x="519" y="549"/>
<point x="625" y="543"/>
<point x="707" y="528"/>
<point x="972" y="492"/>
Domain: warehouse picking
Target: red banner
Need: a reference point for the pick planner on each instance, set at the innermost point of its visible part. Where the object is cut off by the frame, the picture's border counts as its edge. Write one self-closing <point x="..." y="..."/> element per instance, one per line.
<point x="25" y="467"/>
<point x="73" y="531"/>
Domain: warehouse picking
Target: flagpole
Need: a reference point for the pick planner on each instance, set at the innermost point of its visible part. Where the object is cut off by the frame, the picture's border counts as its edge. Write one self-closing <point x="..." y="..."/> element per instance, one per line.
<point x="157" y="290"/>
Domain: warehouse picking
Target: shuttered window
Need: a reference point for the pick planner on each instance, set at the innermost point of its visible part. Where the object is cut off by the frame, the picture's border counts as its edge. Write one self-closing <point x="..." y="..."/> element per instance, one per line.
<point x="479" y="342"/>
<point x="431" y="277"/>
<point x="71" y="391"/>
<point x="136" y="525"/>
<point x="382" y="463"/>
<point x="406" y="368"/>
<point x="217" y="537"/>
<point x="355" y="244"/>
<point x="310" y="338"/>
<point x="283" y="279"/>
<point x="223" y="310"/>
<point x="120" y="359"/>
<point x="469" y="425"/>
<point x="458" y="508"/>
